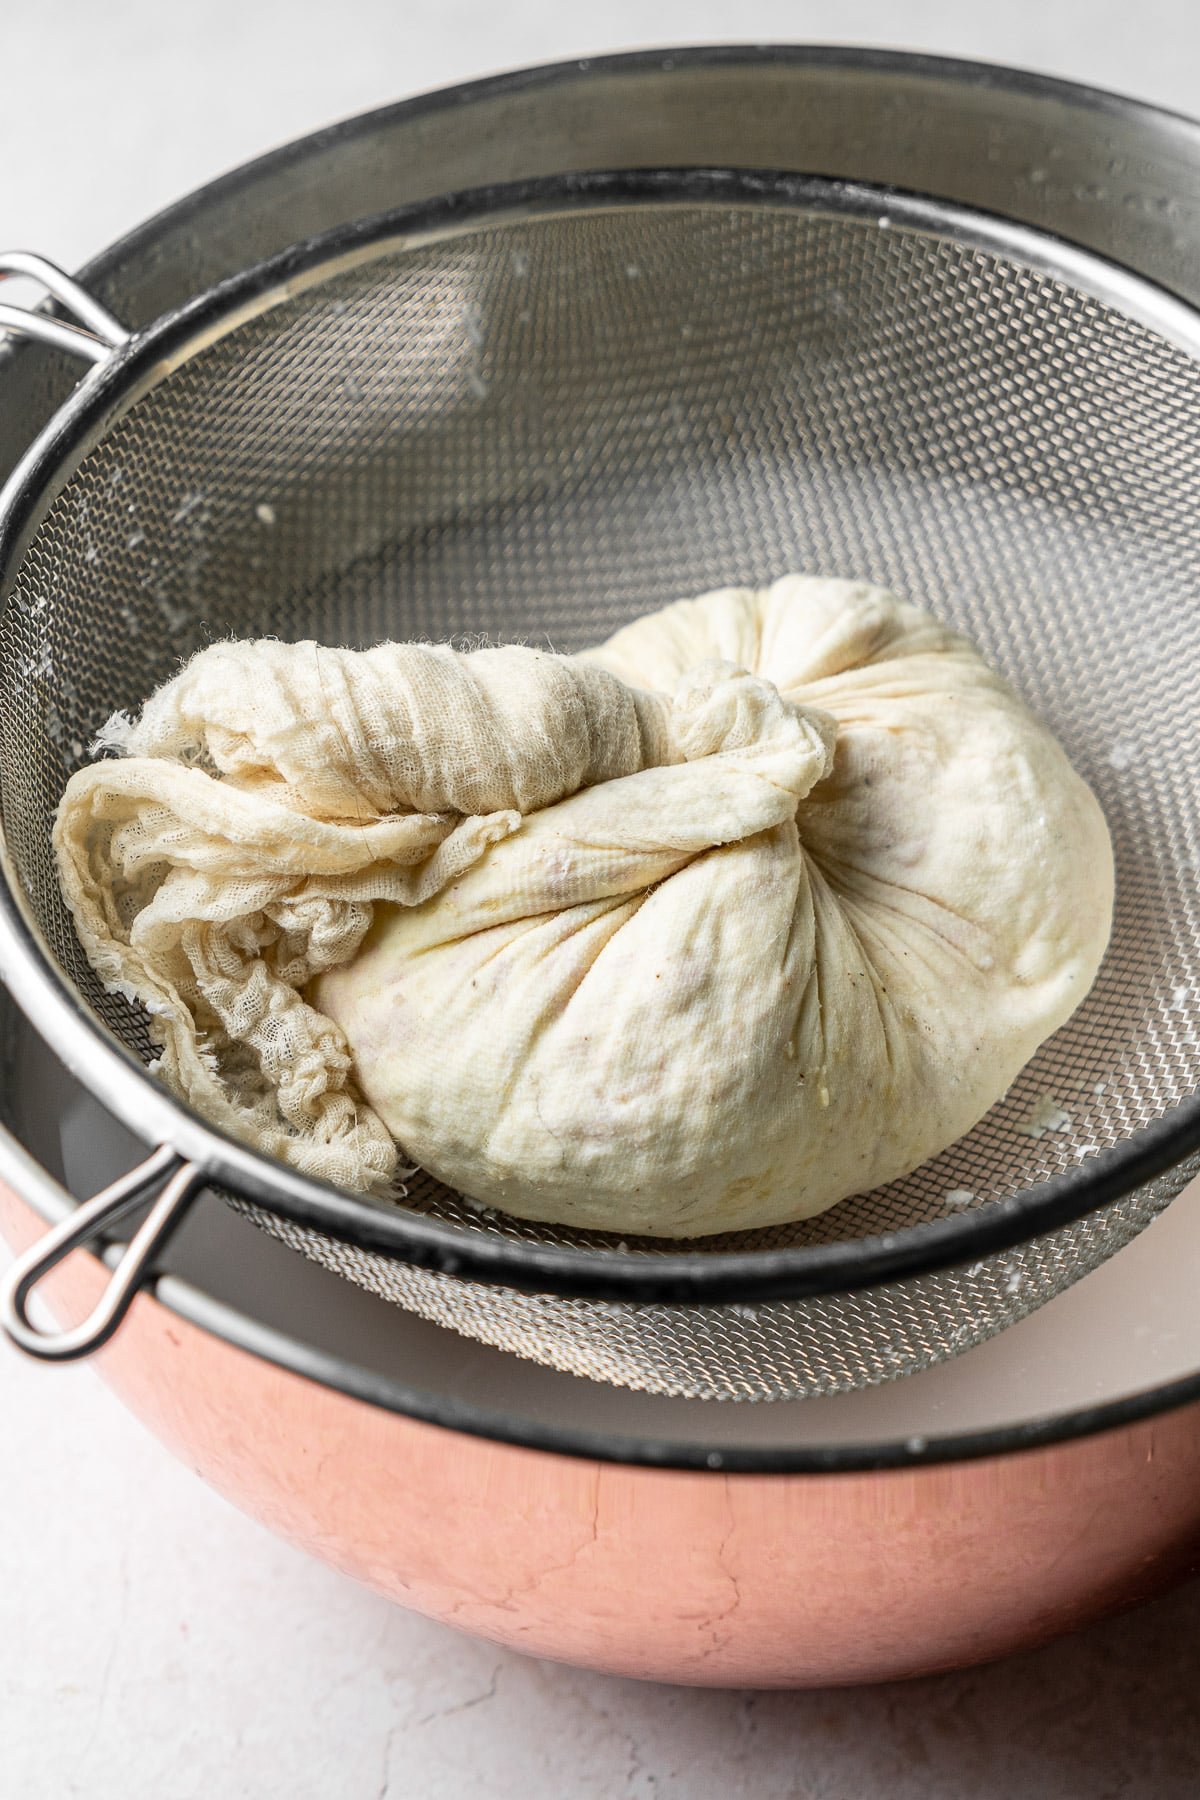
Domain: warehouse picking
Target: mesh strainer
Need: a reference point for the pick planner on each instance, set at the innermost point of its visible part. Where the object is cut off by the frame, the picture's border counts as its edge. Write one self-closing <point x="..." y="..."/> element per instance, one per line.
<point x="536" y="412"/>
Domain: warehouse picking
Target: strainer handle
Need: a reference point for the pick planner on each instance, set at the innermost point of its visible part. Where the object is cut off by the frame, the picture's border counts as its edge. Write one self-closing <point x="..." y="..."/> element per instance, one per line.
<point x="164" y="1169"/>
<point x="96" y="335"/>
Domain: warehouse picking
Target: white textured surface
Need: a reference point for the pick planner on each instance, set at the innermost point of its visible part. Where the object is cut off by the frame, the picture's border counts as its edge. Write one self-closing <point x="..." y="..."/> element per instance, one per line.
<point x="153" y="1644"/>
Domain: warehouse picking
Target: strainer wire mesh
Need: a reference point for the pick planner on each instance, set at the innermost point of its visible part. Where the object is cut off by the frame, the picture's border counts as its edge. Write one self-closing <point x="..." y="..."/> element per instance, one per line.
<point x="539" y="429"/>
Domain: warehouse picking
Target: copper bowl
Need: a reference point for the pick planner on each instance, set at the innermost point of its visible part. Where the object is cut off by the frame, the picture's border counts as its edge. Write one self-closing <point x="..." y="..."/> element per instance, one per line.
<point x="1036" y="1482"/>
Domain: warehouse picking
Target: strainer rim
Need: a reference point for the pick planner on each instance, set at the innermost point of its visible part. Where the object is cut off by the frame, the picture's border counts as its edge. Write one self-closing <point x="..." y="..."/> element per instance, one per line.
<point x="122" y="1083"/>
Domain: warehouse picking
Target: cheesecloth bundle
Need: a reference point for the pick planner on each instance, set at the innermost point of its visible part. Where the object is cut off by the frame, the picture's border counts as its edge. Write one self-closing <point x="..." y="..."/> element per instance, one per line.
<point x="680" y="1000"/>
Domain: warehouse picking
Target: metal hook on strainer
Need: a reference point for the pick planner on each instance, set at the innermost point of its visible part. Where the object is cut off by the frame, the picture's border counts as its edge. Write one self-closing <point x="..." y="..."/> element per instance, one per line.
<point x="96" y="335"/>
<point x="582" y="397"/>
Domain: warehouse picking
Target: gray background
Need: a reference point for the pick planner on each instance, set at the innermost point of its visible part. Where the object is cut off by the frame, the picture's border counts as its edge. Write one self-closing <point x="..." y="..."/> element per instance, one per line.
<point x="153" y="1643"/>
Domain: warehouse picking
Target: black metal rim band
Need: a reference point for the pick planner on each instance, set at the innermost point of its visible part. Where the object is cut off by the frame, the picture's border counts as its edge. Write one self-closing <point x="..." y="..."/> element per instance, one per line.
<point x="695" y="1277"/>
